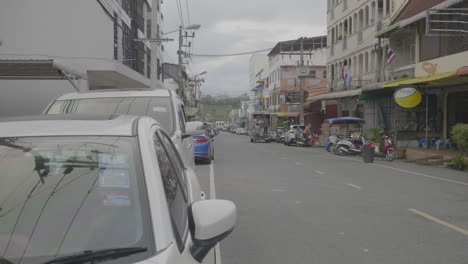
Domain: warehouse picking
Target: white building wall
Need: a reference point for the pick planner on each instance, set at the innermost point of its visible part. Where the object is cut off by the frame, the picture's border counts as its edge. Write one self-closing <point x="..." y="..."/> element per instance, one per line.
<point x="72" y="32"/>
<point x="351" y="27"/>
<point x="257" y="63"/>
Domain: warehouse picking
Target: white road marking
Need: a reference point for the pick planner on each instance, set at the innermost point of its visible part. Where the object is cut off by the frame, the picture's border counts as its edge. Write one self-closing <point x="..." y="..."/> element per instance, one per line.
<point x="298" y="163"/>
<point x="298" y="202"/>
<point x="217" y="250"/>
<point x="319" y="172"/>
<point x="421" y="174"/>
<point x="411" y="172"/>
<point x="212" y="182"/>
<point x="365" y="249"/>
<point x="284" y="158"/>
<point x="278" y="190"/>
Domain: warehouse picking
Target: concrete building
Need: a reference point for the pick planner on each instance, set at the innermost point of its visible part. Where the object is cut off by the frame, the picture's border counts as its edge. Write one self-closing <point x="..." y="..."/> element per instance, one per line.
<point x="282" y="81"/>
<point x="433" y="59"/>
<point x="352" y="57"/>
<point x="91" y="42"/>
<point x="258" y="68"/>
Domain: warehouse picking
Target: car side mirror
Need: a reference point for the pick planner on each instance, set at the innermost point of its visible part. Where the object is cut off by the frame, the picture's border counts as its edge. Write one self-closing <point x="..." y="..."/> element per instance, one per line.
<point x="210" y="221"/>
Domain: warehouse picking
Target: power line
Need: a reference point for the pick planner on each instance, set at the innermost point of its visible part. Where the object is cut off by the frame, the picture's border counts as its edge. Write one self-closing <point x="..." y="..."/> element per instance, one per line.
<point x="179" y="10"/>
<point x="230" y="54"/>
<point x="188" y="12"/>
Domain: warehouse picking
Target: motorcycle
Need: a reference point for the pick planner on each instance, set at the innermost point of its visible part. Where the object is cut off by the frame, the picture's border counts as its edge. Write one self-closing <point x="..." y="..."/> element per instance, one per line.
<point x="331" y="142"/>
<point x="350" y="146"/>
<point x="308" y="141"/>
<point x="388" y="152"/>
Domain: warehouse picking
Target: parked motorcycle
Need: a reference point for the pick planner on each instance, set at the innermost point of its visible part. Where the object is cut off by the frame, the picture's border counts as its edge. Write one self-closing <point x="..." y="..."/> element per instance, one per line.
<point x="351" y="146"/>
<point x="308" y="141"/>
<point x="331" y="142"/>
<point x="388" y="152"/>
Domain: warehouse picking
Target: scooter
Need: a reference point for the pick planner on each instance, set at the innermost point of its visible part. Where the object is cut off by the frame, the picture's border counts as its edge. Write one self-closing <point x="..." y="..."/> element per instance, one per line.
<point x="308" y="141"/>
<point x="331" y="142"/>
<point x="349" y="147"/>
<point x="388" y="151"/>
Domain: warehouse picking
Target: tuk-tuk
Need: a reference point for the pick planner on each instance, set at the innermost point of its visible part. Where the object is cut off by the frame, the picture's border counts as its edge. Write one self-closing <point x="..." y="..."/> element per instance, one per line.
<point x="342" y="128"/>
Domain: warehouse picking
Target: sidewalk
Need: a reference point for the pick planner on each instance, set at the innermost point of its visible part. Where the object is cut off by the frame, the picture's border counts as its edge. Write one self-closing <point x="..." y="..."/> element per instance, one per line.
<point x="432" y="157"/>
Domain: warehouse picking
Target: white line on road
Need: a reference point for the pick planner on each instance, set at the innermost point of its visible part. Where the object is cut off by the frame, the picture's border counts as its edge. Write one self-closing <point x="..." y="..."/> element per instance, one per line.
<point x="421" y="174"/>
<point x="411" y="172"/>
<point x="319" y="172"/>
<point x="354" y="186"/>
<point x="217" y="250"/>
<point x="212" y="182"/>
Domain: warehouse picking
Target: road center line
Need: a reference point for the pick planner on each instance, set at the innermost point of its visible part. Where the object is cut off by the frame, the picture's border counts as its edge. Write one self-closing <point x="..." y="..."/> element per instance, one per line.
<point x="354" y="186"/>
<point x="212" y="182"/>
<point x="319" y="172"/>
<point x="453" y="227"/>
<point x="421" y="174"/>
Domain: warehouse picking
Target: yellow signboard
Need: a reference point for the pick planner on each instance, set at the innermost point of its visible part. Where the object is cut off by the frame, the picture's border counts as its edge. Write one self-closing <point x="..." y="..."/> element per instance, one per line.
<point x="408" y="97"/>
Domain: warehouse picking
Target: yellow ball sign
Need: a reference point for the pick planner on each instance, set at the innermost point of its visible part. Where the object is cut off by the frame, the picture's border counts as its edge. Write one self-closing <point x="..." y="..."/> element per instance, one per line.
<point x="408" y="97"/>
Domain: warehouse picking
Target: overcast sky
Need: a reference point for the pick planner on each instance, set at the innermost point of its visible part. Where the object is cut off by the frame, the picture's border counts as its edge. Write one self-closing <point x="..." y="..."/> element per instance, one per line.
<point x="233" y="26"/>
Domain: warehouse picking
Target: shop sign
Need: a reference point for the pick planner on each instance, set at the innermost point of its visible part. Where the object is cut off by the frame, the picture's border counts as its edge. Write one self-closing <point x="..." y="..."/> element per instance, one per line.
<point x="408" y="97"/>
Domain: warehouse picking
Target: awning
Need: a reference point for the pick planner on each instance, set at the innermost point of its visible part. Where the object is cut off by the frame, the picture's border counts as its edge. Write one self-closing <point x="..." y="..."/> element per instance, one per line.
<point x="292" y="114"/>
<point x="261" y="81"/>
<point x="435" y="79"/>
<point x="334" y="95"/>
<point x="259" y="85"/>
<point x="462" y="71"/>
<point x="280" y="114"/>
<point x="344" y="120"/>
<point x="254" y="89"/>
<point x="387" y="30"/>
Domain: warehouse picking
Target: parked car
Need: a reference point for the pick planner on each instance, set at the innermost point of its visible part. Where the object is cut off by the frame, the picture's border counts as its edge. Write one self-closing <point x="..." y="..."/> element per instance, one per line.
<point x="97" y="189"/>
<point x="163" y="105"/>
<point x="241" y="131"/>
<point x="204" y="147"/>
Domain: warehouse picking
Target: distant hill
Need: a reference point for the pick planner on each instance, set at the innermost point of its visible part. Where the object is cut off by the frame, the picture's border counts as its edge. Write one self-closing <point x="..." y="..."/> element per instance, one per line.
<point x="217" y="108"/>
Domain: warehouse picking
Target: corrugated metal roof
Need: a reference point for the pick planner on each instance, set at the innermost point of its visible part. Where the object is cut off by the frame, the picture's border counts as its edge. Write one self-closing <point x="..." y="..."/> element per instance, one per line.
<point x="29" y="69"/>
<point x="415" y="7"/>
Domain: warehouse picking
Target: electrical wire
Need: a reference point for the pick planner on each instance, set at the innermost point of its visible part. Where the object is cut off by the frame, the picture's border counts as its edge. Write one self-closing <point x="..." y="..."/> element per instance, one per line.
<point x="231" y="54"/>
<point x="181" y="14"/>
<point x="188" y="12"/>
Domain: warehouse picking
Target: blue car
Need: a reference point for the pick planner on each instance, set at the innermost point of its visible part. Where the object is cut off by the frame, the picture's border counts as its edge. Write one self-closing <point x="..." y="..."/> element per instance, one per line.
<point x="203" y="146"/>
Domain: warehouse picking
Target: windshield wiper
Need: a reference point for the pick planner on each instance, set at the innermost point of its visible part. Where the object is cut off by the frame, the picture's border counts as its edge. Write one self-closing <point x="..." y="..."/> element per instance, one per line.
<point x="97" y="256"/>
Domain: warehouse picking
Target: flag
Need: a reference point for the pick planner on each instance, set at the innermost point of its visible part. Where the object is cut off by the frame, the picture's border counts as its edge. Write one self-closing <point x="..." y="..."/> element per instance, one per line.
<point x="349" y="77"/>
<point x="390" y="56"/>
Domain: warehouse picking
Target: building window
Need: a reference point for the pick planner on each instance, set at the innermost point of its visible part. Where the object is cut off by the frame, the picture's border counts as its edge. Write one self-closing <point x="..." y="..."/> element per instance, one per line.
<point x="313" y="74"/>
<point x="159" y="69"/>
<point x="116" y="37"/>
<point x="148" y="63"/>
<point x="325" y="74"/>
<point x="148" y="29"/>
<point x="126" y="45"/>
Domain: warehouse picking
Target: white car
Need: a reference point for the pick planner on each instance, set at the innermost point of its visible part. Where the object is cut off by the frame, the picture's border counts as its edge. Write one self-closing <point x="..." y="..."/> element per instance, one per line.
<point x="101" y="189"/>
<point x="163" y="105"/>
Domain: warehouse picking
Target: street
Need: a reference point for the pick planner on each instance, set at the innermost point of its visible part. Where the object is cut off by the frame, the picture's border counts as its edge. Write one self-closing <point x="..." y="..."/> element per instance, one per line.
<point x="304" y="205"/>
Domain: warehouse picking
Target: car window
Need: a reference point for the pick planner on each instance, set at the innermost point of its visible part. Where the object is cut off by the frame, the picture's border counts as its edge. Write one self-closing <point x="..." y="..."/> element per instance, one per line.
<point x="181" y="120"/>
<point x="67" y="195"/>
<point x="174" y="187"/>
<point x="159" y="108"/>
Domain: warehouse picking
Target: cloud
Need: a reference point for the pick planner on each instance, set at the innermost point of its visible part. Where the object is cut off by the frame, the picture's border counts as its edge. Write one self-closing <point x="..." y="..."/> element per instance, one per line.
<point x="240" y="26"/>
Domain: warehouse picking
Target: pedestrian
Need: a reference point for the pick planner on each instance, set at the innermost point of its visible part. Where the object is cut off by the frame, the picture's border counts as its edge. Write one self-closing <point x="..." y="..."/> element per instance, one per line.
<point x="257" y="131"/>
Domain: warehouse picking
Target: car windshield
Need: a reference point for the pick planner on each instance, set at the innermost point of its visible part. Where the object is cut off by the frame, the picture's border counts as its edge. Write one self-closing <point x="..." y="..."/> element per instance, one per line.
<point x="159" y="108"/>
<point x="66" y="195"/>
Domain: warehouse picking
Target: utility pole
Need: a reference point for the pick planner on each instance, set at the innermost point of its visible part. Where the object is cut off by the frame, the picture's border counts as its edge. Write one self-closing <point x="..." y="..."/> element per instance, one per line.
<point x="301" y="86"/>
<point x="180" y="63"/>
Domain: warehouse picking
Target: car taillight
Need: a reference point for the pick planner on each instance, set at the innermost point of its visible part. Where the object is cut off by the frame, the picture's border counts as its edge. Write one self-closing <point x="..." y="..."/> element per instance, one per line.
<point x="200" y="140"/>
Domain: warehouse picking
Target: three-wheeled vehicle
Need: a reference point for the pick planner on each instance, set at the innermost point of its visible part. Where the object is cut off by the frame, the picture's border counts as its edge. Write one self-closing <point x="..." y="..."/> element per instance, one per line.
<point x="344" y="129"/>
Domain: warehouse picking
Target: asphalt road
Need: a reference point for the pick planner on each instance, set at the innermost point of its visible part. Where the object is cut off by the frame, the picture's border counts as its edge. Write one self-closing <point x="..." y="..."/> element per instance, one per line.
<point x="304" y="205"/>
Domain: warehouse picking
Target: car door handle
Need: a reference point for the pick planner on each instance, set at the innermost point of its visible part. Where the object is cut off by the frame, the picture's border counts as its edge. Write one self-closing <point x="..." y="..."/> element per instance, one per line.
<point x="190" y="146"/>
